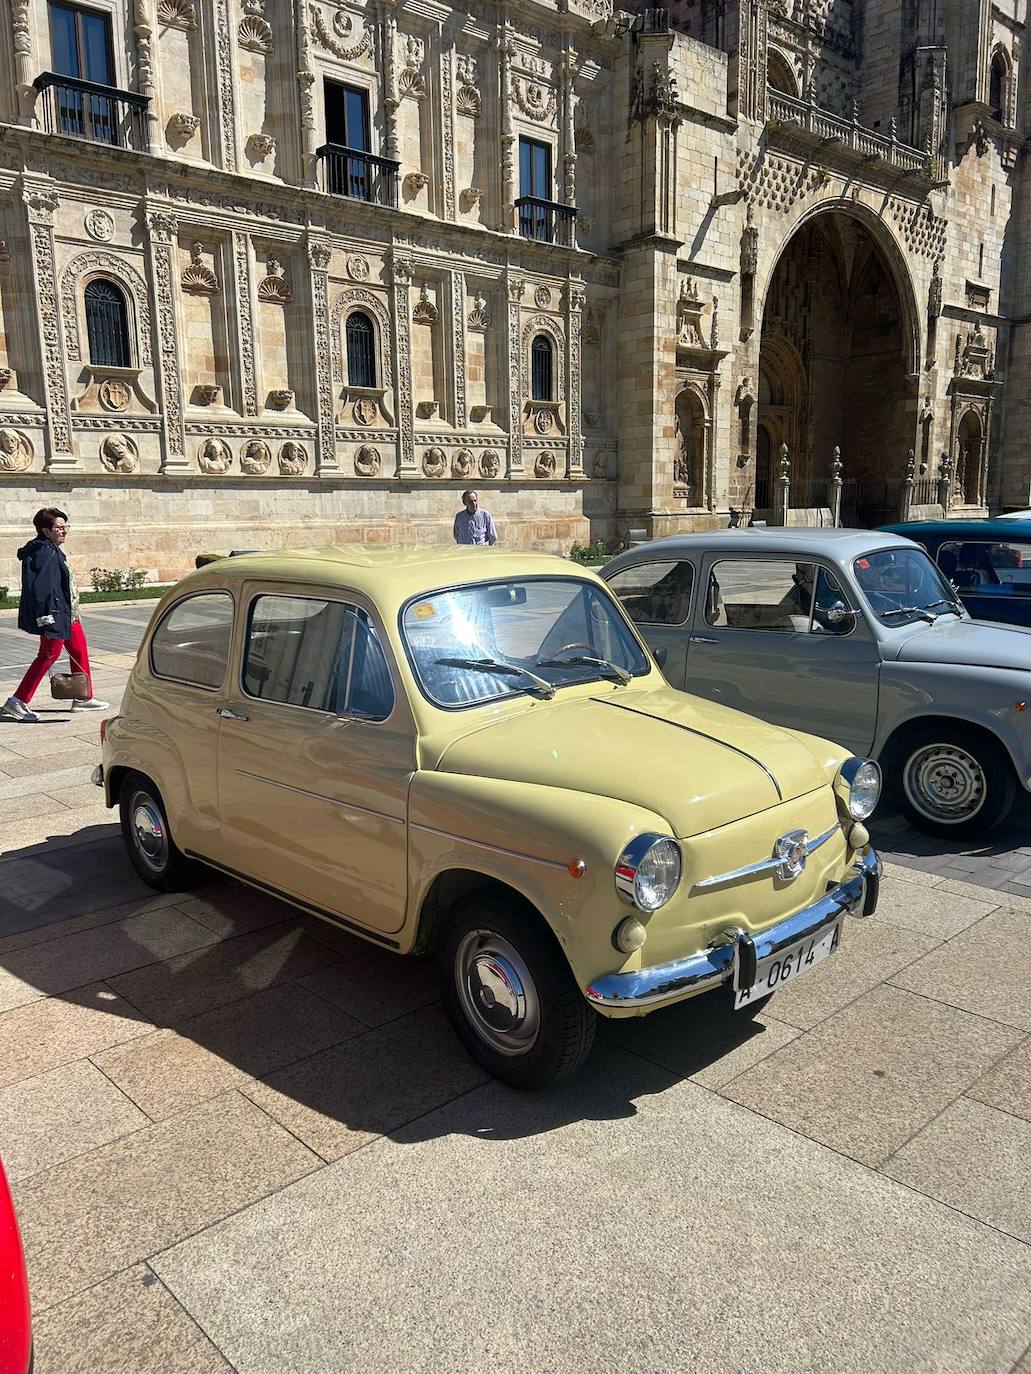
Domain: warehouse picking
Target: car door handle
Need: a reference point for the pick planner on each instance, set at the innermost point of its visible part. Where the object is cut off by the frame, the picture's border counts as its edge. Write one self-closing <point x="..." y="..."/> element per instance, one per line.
<point x="231" y="715"/>
<point x="703" y="639"/>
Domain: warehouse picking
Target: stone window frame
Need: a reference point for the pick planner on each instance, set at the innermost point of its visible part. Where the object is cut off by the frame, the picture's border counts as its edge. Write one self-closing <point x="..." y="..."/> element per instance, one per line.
<point x="118" y="52"/>
<point x="1006" y="115"/>
<point x="344" y="305"/>
<point x="543" y="324"/>
<point x="77" y="275"/>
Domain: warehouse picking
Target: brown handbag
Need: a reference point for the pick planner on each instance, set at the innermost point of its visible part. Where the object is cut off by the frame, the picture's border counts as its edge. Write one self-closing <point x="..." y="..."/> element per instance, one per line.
<point x="69" y="687"/>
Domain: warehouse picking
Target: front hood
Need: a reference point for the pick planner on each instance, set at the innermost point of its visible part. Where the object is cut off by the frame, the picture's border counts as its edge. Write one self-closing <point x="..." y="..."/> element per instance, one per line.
<point x="695" y="763"/>
<point x="975" y="643"/>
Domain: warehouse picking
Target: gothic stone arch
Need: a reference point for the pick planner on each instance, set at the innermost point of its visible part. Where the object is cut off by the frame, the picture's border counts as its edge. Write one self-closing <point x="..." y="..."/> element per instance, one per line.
<point x="345" y="304"/>
<point x="75" y="278"/>
<point x="543" y="324"/>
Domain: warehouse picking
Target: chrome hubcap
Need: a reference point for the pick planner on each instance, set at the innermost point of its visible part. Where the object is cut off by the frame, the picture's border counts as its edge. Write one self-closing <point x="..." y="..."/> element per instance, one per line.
<point x="497" y="992"/>
<point x="148" y="831"/>
<point x="945" y="783"/>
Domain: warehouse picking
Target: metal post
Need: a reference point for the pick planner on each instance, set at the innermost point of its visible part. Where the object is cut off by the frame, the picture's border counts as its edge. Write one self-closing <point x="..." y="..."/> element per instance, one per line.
<point x="836" y="488"/>
<point x="907" y="486"/>
<point x="945" y="483"/>
<point x="783" y="487"/>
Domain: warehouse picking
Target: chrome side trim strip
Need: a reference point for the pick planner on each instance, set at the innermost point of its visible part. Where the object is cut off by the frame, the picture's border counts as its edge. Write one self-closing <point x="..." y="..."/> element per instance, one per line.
<point x="319" y="796"/>
<point x="763" y="866"/>
<point x="702" y="735"/>
<point x="492" y="848"/>
<point x="650" y="987"/>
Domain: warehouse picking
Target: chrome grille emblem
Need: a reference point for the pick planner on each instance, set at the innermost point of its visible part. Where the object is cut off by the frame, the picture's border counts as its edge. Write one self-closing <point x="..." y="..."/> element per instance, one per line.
<point x="791" y="851"/>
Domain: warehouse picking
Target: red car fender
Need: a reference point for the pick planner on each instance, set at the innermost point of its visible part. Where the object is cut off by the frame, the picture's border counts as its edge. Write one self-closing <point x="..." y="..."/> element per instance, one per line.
<point x="15" y="1315"/>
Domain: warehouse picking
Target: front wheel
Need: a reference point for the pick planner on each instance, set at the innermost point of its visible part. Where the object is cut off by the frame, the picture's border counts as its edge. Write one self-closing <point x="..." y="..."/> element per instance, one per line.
<point x="953" y="782"/>
<point x="152" y="851"/>
<point x="510" y="995"/>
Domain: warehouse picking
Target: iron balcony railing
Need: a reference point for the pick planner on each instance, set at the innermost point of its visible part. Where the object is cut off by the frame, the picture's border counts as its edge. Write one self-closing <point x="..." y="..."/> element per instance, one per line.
<point x="358" y="175"/>
<point x="84" y="109"/>
<point x="546" y="221"/>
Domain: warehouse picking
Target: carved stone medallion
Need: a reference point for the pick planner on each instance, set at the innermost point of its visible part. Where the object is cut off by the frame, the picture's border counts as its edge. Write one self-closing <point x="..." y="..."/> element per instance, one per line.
<point x="15" y="451"/>
<point x="357" y="267"/>
<point x="256" y="457"/>
<point x="490" y="463"/>
<point x="367" y="461"/>
<point x="118" y="453"/>
<point x="100" y="226"/>
<point x="542" y="298"/>
<point x="364" y="410"/>
<point x="214" y="457"/>
<point x="463" y="463"/>
<point x="434" y="462"/>
<point x="292" y="460"/>
<point x="114" y="394"/>
<point x="542" y="421"/>
<point x="544" y="467"/>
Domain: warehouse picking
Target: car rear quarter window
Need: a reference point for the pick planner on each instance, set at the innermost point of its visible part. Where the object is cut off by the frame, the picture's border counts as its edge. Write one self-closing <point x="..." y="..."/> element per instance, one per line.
<point x="191" y="643"/>
<point x="987" y="568"/>
<point x="319" y="654"/>
<point x="655" y="593"/>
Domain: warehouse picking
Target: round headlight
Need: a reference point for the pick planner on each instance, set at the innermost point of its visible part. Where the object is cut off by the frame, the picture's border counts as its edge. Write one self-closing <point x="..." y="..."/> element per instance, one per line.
<point x="648" y="871"/>
<point x="862" y="782"/>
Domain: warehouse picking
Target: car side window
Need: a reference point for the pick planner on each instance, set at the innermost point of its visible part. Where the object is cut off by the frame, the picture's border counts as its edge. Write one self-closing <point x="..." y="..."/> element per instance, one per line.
<point x="323" y="655"/>
<point x="655" y="593"/>
<point x="1001" y="568"/>
<point x="191" y="643"/>
<point x="761" y="594"/>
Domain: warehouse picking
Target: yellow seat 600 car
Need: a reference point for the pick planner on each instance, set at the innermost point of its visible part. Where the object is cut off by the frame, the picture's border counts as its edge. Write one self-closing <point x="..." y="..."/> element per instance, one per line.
<point x="470" y="753"/>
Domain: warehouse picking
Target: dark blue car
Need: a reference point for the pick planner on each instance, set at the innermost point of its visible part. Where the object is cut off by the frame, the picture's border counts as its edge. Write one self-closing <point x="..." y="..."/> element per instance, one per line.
<point x="987" y="561"/>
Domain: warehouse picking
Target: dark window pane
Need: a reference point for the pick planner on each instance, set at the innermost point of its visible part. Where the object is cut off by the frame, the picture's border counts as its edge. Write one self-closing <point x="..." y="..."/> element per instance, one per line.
<point x="65" y="50"/>
<point x="361" y="362"/>
<point x="534" y="169"/>
<point x="655" y="593"/>
<point x="96" y="49"/>
<point x="525" y="167"/>
<point x="336" y="125"/>
<point x="192" y="642"/>
<point x="107" y="325"/>
<point x="357" y="119"/>
<point x="540" y="369"/>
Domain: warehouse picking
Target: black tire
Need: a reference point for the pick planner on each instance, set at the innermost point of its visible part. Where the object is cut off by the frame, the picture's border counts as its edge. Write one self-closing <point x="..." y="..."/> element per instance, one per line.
<point x="952" y="782"/>
<point x="152" y="851"/>
<point x="548" y="1030"/>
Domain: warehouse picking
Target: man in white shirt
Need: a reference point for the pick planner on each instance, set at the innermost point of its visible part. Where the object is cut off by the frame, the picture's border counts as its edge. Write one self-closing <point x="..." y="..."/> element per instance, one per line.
<point x="473" y="525"/>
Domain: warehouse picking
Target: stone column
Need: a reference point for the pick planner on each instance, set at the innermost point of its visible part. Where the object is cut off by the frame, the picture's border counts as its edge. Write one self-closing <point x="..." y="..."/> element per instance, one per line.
<point x="907" y="486"/>
<point x="513" y="365"/>
<point x="459" y="407"/>
<point x="575" y="299"/>
<point x="225" y="78"/>
<point x="783" y="493"/>
<point x="40" y="203"/>
<point x="143" y="27"/>
<point x="325" y="446"/>
<point x="447" y="114"/>
<point x="243" y="319"/>
<point x="401" y="272"/>
<point x="25" y="65"/>
<point x="505" y="49"/>
<point x="836" y="488"/>
<point x="306" y="94"/>
<point x="161" y="230"/>
<point x="945" y="483"/>
<point x="388" y="66"/>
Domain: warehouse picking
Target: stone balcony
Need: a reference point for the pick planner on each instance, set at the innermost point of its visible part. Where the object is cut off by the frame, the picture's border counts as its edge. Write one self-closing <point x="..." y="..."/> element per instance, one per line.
<point x="803" y="122"/>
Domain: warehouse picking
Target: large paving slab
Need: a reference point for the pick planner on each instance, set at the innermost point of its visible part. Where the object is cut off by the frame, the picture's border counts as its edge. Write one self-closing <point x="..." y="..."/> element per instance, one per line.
<point x="627" y="1221"/>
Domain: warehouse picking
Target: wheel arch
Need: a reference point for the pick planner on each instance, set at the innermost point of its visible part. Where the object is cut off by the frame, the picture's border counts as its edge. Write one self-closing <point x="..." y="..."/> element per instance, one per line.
<point x="450" y="886"/>
<point x="889" y="752"/>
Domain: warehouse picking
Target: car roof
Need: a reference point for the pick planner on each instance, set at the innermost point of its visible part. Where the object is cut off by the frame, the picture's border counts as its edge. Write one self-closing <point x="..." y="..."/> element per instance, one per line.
<point x="838" y="544"/>
<point x="1003" y="529"/>
<point x="390" y="574"/>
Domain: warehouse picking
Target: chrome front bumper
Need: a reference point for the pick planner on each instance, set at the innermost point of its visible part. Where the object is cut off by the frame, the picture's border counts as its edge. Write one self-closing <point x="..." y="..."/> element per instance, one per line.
<point x="650" y="987"/>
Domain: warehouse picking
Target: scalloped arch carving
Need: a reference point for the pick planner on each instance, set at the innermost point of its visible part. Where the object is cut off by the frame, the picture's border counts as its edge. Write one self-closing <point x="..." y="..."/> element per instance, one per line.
<point x="543" y="324"/>
<point x="96" y="264"/>
<point x="343" y="305"/>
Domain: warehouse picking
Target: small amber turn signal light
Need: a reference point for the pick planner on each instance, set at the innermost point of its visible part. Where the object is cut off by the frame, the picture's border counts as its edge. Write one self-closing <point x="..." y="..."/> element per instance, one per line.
<point x="576" y="868"/>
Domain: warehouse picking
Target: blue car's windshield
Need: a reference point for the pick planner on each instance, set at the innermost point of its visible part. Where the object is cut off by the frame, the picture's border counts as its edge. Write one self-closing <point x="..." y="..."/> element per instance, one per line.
<point x="903" y="585"/>
<point x="496" y="639"/>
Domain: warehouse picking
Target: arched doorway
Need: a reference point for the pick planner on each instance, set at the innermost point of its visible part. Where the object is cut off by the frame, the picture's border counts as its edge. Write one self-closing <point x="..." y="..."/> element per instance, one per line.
<point x="969" y="461"/>
<point x="690" y="451"/>
<point x="834" y="365"/>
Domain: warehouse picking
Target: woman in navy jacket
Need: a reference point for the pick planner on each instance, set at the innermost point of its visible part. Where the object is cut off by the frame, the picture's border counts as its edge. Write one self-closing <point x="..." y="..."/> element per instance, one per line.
<point x="49" y="607"/>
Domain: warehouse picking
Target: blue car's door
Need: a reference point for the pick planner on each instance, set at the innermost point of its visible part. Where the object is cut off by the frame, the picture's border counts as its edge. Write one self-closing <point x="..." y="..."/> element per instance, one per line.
<point x="992" y="576"/>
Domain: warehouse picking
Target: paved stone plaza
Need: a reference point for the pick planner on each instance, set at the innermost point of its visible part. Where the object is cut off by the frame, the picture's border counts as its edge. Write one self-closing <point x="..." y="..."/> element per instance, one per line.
<point x="239" y="1139"/>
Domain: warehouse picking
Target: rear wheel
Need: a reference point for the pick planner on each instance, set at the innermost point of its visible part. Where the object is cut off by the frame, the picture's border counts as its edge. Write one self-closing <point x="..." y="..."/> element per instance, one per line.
<point x="954" y="782"/>
<point x="152" y="851"/>
<point x="510" y="994"/>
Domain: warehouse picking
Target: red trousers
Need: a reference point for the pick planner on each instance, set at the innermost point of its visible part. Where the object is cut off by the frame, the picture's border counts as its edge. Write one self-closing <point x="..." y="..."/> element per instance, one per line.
<point x="49" y="653"/>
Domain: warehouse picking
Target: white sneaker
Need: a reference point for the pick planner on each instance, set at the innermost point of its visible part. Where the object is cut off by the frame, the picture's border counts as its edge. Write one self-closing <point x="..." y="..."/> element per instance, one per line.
<point x="92" y="705"/>
<point x="13" y="709"/>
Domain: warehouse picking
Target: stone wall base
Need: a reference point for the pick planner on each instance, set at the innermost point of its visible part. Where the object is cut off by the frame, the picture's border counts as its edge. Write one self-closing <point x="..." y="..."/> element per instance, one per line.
<point x="161" y="525"/>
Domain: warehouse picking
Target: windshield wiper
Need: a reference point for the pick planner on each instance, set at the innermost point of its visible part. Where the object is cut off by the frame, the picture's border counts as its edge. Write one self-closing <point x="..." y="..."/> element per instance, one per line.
<point x="620" y="674"/>
<point x="921" y="611"/>
<point x="492" y="665"/>
<point x="949" y="606"/>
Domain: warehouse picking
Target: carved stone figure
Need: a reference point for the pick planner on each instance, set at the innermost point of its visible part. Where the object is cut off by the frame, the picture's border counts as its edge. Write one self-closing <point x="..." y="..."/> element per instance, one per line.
<point x="256" y="457"/>
<point x="490" y="463"/>
<point x="367" y="461"/>
<point x="15" y="451"/>
<point x="281" y="400"/>
<point x="545" y="465"/>
<point x="118" y="453"/>
<point x="214" y="457"/>
<point x="292" y="459"/>
<point x="462" y="465"/>
<point x="434" y="462"/>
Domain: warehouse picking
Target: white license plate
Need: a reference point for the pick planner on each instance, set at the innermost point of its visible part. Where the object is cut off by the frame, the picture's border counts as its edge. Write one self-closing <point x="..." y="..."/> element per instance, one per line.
<point x="780" y="968"/>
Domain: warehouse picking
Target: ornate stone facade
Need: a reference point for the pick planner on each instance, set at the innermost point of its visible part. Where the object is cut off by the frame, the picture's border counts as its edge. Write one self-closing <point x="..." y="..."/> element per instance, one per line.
<point x="767" y="223"/>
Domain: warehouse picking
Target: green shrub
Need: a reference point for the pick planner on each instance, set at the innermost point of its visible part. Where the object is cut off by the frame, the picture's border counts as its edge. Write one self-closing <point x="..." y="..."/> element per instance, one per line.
<point x="203" y="559"/>
<point x="3" y="593"/>
<point x="117" y="579"/>
<point x="588" y="553"/>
